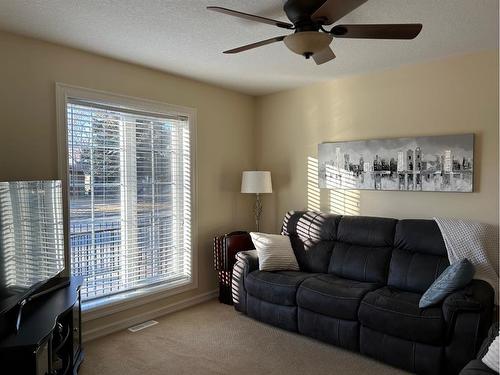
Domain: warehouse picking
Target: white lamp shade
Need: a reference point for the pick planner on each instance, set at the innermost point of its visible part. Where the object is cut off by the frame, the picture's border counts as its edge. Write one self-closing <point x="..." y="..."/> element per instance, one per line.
<point x="256" y="182"/>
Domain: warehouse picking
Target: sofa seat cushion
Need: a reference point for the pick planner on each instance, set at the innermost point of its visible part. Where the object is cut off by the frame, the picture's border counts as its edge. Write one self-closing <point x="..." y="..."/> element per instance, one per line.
<point x="275" y="287"/>
<point x="333" y="296"/>
<point x="394" y="312"/>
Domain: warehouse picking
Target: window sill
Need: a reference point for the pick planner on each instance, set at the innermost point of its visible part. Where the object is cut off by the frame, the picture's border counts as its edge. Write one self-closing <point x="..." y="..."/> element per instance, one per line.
<point x="113" y="304"/>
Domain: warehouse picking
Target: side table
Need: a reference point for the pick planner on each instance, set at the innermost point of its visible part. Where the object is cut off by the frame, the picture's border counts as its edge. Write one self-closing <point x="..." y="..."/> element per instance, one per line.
<point x="225" y="249"/>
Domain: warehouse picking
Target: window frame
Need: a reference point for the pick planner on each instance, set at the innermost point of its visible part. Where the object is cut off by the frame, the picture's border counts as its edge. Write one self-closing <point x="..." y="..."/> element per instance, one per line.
<point x="108" y="305"/>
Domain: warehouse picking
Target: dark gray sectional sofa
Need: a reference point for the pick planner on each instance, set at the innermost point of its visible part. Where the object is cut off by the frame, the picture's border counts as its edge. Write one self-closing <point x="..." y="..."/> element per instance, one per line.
<point x="359" y="285"/>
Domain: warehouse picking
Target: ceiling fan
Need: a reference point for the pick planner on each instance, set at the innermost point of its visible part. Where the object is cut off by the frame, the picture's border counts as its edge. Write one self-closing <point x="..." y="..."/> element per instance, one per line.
<point x="308" y="20"/>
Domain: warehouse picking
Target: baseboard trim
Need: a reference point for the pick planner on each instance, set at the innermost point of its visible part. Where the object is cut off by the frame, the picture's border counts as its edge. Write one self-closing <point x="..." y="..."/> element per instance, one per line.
<point x="88" y="335"/>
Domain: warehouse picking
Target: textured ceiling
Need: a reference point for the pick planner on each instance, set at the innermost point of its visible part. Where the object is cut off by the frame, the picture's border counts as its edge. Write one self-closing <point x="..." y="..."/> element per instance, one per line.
<point x="182" y="37"/>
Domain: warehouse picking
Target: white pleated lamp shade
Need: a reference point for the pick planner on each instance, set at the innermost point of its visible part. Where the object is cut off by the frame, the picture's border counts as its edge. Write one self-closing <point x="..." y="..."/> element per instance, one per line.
<point x="256" y="182"/>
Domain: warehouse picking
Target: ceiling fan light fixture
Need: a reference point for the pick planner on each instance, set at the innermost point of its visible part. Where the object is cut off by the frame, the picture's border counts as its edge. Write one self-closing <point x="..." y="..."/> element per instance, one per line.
<point x="307" y="43"/>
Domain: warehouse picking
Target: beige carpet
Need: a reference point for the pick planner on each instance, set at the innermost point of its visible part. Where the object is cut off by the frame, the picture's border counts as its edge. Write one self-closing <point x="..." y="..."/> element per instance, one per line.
<point x="213" y="338"/>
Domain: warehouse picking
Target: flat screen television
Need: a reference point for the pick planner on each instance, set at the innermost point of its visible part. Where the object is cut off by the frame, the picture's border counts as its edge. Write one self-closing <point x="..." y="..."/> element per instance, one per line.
<point x="31" y="239"/>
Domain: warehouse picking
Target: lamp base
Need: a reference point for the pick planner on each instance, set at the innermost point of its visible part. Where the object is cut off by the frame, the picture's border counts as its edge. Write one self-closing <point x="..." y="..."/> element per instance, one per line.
<point x="258" y="211"/>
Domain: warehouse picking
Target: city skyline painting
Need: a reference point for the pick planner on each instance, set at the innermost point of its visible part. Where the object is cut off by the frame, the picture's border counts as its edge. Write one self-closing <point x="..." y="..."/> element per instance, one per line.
<point x="437" y="163"/>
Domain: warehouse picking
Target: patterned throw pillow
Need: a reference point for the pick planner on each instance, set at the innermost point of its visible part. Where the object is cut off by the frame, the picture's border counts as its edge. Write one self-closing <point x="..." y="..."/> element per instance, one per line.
<point x="454" y="277"/>
<point x="491" y="357"/>
<point x="275" y="252"/>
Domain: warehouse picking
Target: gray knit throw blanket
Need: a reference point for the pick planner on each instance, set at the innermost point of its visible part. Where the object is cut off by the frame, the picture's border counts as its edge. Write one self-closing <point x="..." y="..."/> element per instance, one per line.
<point x="475" y="241"/>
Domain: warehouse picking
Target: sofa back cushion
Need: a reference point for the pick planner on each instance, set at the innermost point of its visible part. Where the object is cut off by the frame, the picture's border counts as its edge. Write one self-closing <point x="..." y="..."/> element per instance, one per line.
<point x="362" y="250"/>
<point x="419" y="255"/>
<point x="312" y="236"/>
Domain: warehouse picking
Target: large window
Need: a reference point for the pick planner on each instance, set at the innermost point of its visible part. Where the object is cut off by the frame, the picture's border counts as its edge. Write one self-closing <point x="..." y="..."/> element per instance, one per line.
<point x="130" y="197"/>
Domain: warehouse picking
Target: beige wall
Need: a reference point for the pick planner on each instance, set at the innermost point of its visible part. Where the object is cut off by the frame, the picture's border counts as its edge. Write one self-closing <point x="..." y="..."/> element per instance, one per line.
<point x="28" y="146"/>
<point x="452" y="96"/>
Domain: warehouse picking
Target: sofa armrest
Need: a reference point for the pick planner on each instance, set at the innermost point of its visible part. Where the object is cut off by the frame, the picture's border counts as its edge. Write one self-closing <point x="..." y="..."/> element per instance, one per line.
<point x="476" y="297"/>
<point x="246" y="262"/>
<point x="476" y="367"/>
<point x="468" y="314"/>
<point x="492" y="334"/>
<point x="250" y="258"/>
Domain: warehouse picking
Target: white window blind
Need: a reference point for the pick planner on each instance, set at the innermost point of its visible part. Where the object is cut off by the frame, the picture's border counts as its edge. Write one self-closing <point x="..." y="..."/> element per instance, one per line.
<point x="129" y="197"/>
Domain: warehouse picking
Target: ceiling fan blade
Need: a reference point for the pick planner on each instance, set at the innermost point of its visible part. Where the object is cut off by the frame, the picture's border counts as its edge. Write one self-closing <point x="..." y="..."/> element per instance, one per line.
<point x="333" y="10"/>
<point x="394" y="31"/>
<point x="323" y="56"/>
<point x="255" y="45"/>
<point x="252" y="17"/>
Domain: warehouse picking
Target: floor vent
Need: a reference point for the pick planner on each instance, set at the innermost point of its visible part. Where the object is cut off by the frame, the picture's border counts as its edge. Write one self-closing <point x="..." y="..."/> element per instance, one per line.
<point x="142" y="326"/>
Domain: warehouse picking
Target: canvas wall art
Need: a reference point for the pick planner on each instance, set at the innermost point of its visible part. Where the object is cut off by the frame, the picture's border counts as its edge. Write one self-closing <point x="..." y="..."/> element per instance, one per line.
<point x="438" y="163"/>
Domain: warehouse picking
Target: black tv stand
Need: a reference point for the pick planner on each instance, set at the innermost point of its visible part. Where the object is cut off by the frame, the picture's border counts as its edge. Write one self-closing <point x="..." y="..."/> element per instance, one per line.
<point x="51" y="286"/>
<point x="48" y="339"/>
<point x="55" y="284"/>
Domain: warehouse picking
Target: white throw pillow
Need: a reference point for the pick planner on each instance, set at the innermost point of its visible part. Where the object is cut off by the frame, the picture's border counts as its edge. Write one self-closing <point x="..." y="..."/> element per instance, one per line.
<point x="275" y="252"/>
<point x="490" y="359"/>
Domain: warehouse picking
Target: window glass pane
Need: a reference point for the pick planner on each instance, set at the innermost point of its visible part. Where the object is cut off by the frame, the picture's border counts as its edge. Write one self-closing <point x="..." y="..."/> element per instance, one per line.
<point x="129" y="196"/>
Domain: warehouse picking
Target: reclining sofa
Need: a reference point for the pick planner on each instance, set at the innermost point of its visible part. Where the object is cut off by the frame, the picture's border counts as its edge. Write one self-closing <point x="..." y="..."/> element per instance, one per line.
<point x="359" y="285"/>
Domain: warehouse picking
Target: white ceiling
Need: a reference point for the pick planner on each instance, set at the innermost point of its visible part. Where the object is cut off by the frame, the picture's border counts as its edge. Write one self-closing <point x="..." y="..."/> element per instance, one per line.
<point x="182" y="37"/>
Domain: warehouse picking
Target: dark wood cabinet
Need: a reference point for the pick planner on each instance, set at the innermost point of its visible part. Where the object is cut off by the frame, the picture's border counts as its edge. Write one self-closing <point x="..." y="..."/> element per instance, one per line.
<point x="225" y="249"/>
<point x="49" y="338"/>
